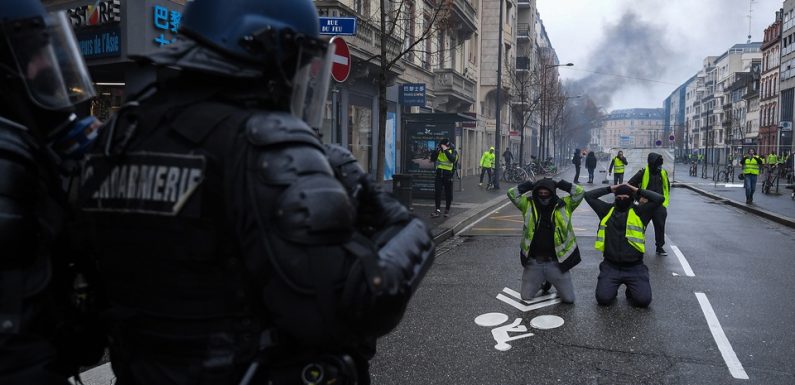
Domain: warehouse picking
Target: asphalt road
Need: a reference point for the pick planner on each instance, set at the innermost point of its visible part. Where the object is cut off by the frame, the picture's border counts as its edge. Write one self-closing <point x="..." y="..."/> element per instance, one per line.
<point x="741" y="267"/>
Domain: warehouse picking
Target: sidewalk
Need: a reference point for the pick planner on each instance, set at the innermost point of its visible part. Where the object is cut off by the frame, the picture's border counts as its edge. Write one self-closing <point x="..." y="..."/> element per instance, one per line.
<point x="470" y="201"/>
<point x="777" y="207"/>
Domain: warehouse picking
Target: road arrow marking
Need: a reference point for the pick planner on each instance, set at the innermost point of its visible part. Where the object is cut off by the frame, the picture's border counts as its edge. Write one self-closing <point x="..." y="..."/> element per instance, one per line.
<point x="525" y="306"/>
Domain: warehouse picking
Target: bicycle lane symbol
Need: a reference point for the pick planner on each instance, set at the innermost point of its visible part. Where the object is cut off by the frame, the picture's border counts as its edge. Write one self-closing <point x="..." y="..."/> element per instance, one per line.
<point x="503" y="334"/>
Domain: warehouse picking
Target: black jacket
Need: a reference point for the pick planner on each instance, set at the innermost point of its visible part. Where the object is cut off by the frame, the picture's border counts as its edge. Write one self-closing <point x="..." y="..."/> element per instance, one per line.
<point x="590" y="161"/>
<point x="617" y="249"/>
<point x="655" y="177"/>
<point x="576" y="159"/>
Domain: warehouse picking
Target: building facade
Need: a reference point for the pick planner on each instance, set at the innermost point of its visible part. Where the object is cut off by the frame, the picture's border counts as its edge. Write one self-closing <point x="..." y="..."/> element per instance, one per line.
<point x="633" y="128"/>
<point x="769" y="85"/>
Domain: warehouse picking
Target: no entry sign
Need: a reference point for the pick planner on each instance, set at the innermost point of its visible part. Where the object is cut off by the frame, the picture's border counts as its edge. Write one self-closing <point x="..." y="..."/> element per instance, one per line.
<point x="341" y="60"/>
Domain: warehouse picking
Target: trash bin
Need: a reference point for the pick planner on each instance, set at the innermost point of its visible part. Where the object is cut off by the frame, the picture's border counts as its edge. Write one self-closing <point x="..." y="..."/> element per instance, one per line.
<point x="401" y="188"/>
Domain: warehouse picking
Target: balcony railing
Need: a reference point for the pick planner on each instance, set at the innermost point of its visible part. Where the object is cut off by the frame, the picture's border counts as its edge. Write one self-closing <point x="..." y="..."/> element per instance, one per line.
<point x="451" y="83"/>
<point x="523" y="31"/>
<point x="467" y="15"/>
<point x="368" y="35"/>
<point x="523" y="3"/>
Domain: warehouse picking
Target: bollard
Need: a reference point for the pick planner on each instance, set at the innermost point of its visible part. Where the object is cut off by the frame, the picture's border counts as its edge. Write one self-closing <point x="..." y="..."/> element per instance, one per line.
<point x="402" y="185"/>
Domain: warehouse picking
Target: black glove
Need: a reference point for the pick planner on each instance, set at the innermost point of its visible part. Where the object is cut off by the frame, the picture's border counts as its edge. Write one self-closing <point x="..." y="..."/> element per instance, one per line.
<point x="563" y="185"/>
<point x="525" y="187"/>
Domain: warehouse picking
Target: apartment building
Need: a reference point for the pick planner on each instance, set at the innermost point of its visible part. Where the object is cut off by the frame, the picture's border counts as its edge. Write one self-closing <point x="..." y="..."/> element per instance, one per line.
<point x="769" y="84"/>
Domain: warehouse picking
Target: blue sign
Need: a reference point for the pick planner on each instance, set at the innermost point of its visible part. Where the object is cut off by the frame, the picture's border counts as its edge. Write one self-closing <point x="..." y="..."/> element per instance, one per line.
<point x="100" y="42"/>
<point x="338" y="26"/>
<point x="412" y="94"/>
<point x="167" y="21"/>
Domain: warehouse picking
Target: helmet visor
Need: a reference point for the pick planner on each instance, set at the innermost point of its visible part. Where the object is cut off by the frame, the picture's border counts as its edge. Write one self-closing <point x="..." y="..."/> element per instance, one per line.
<point x="49" y="61"/>
<point x="310" y="87"/>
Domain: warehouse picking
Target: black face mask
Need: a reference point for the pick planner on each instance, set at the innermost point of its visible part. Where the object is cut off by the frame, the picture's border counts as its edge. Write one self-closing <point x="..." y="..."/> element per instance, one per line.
<point x="545" y="201"/>
<point x="623" y="204"/>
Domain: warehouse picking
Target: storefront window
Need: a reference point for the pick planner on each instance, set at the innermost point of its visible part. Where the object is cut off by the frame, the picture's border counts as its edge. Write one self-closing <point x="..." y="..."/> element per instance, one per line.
<point x="107" y="101"/>
<point x="360" y="131"/>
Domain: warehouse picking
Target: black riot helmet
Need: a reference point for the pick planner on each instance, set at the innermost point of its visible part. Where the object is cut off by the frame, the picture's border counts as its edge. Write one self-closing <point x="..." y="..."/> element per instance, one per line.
<point x="274" y="40"/>
<point x="42" y="73"/>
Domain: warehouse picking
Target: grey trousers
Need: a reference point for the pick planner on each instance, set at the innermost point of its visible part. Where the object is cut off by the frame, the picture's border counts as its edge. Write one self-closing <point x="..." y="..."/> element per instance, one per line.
<point x="535" y="273"/>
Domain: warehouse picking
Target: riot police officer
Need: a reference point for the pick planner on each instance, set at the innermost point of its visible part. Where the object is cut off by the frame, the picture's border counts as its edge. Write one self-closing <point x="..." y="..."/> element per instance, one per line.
<point x="235" y="247"/>
<point x="42" y="78"/>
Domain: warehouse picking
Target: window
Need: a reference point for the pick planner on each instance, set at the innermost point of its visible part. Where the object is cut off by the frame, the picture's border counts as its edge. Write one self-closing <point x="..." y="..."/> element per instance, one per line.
<point x="426" y="55"/>
<point x="362" y="7"/>
<point x="408" y="28"/>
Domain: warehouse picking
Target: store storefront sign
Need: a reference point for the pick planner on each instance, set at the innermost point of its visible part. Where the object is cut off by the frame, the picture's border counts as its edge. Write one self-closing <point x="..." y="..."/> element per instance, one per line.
<point x="99" y="13"/>
<point x="100" y="42"/>
<point x="412" y="94"/>
<point x="166" y="22"/>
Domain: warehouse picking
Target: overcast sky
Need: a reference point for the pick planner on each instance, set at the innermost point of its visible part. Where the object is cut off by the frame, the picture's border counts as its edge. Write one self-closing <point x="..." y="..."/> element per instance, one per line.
<point x="663" y="40"/>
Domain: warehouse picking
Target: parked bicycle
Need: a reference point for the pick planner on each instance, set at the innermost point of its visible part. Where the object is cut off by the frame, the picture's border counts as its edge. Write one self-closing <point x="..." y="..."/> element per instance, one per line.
<point x="516" y="174"/>
<point x="693" y="168"/>
<point x="771" y="179"/>
<point x="724" y="174"/>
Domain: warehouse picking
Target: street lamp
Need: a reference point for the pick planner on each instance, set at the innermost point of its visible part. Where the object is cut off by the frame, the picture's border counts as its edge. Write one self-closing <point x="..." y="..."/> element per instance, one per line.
<point x="544" y="115"/>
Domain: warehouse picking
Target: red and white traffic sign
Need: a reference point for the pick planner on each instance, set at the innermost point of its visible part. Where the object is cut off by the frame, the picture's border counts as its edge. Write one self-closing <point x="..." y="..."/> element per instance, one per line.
<point x="341" y="60"/>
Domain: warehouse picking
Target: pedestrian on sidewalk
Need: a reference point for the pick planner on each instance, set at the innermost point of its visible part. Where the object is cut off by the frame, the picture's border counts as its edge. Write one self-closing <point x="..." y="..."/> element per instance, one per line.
<point x="445" y="157"/>
<point x="548" y="249"/>
<point x="508" y="157"/>
<point x="751" y="165"/>
<point x="617" y="164"/>
<point x="622" y="242"/>
<point x="654" y="177"/>
<point x="590" y="164"/>
<point x="576" y="160"/>
<point x="487" y="166"/>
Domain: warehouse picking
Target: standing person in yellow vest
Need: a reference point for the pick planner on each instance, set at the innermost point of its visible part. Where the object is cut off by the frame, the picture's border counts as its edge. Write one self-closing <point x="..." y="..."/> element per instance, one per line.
<point x="618" y="165"/>
<point x="653" y="177"/>
<point x="548" y="249"/>
<point x="751" y="166"/>
<point x="445" y="157"/>
<point x="487" y="165"/>
<point x="622" y="241"/>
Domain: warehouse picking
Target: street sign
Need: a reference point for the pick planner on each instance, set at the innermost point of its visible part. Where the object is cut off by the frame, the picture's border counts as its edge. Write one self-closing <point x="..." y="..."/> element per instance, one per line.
<point x="341" y="60"/>
<point x="412" y="94"/>
<point x="346" y="26"/>
<point x="785" y="126"/>
<point x="671" y="138"/>
<point x="658" y="142"/>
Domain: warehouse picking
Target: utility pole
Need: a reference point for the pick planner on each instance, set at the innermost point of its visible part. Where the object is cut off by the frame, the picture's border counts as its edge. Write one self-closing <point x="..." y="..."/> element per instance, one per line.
<point x="498" y="129"/>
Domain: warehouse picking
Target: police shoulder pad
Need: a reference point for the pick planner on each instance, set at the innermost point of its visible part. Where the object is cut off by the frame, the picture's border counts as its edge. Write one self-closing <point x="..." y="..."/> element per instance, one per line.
<point x="266" y="129"/>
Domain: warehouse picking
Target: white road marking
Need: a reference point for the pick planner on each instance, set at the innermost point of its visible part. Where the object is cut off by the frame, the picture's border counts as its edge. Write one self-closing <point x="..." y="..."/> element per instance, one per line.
<point x="526" y="308"/>
<point x="683" y="262"/>
<point x="734" y="364"/>
<point x="467" y="227"/>
<point x="518" y="296"/>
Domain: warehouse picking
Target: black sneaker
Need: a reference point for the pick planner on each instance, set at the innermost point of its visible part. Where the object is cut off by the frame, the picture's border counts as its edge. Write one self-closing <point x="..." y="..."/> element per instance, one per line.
<point x="661" y="252"/>
<point x="446" y="213"/>
<point x="436" y="213"/>
<point x="545" y="287"/>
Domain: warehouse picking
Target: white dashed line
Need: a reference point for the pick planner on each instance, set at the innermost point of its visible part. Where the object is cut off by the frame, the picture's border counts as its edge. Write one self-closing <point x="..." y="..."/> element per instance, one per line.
<point x="683" y="262"/>
<point x="734" y="364"/>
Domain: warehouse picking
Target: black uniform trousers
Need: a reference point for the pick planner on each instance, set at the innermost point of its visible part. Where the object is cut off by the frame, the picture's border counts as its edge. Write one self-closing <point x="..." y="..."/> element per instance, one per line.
<point x="618" y="178"/>
<point x="635" y="277"/>
<point x="576" y="173"/>
<point x="444" y="180"/>
<point x="658" y="220"/>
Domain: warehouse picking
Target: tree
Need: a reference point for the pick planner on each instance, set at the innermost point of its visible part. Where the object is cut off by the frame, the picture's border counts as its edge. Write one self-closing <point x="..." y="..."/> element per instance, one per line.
<point x="526" y="82"/>
<point x="397" y="18"/>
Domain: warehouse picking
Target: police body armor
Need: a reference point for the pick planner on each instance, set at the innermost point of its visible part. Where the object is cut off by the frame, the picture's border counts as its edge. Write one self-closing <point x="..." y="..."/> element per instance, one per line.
<point x="41" y="338"/>
<point x="224" y="236"/>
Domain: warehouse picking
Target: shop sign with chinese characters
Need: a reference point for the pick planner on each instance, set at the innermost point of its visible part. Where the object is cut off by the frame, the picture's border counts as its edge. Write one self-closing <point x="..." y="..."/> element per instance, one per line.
<point x="166" y="22"/>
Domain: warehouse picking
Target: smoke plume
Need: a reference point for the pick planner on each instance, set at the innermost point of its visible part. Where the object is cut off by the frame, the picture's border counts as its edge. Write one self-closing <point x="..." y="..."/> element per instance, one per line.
<point x="632" y="48"/>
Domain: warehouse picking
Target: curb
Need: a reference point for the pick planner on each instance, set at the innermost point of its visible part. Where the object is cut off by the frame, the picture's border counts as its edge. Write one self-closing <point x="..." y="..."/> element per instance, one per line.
<point x="786" y="221"/>
<point x="452" y="226"/>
